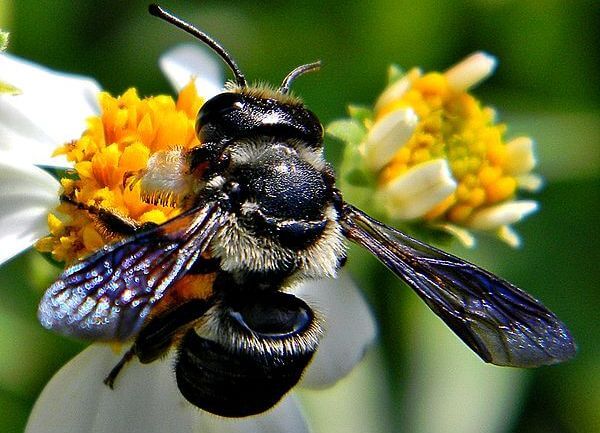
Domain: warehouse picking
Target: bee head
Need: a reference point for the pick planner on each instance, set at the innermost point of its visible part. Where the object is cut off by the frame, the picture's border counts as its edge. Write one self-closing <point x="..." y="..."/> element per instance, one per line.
<point x="247" y="112"/>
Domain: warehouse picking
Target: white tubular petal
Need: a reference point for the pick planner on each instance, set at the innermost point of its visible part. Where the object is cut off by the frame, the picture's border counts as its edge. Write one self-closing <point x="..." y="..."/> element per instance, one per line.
<point x="145" y="400"/>
<point x="502" y="214"/>
<point x="388" y="135"/>
<point x="520" y="156"/>
<point x="471" y="71"/>
<point x="414" y="193"/>
<point x="530" y="182"/>
<point x="184" y="62"/>
<point x="464" y="236"/>
<point x="349" y="328"/>
<point x="27" y="194"/>
<point x="50" y="110"/>
<point x="508" y="235"/>
<point x="397" y="89"/>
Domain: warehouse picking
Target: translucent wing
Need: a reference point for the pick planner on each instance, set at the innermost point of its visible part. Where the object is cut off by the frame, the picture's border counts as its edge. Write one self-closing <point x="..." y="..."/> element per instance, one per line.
<point x="500" y="322"/>
<point x="108" y="295"/>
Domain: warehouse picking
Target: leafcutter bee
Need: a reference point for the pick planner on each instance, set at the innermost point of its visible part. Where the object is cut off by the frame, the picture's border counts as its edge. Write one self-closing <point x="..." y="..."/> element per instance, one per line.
<point x="260" y="212"/>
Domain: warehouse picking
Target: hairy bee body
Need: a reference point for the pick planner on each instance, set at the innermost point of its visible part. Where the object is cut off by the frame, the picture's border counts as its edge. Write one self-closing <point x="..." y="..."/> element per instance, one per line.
<point x="261" y="212"/>
<point x="282" y="226"/>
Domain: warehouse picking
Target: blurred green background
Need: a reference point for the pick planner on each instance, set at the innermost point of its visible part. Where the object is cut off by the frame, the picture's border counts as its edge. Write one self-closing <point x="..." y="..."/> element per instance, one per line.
<point x="419" y="378"/>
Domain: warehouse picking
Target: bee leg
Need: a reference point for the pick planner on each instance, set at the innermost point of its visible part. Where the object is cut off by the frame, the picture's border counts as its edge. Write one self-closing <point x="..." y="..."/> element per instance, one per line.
<point x="110" y="379"/>
<point x="113" y="222"/>
<point x="156" y="338"/>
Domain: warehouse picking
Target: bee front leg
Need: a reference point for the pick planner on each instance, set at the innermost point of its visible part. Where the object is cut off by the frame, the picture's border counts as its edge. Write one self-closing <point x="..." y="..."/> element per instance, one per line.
<point x="110" y="379"/>
<point x="109" y="220"/>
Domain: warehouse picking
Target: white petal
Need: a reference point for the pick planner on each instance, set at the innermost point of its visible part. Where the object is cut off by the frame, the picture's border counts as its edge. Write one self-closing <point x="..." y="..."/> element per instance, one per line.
<point x="464" y="236"/>
<point x="520" y="156"/>
<point x="145" y="400"/>
<point x="416" y="192"/>
<point x="530" y="182"/>
<point x="508" y="235"/>
<point x="184" y="62"/>
<point x="397" y="90"/>
<point x="502" y="214"/>
<point x="27" y="194"/>
<point x="285" y="417"/>
<point x="51" y="109"/>
<point x="349" y="328"/>
<point x="388" y="135"/>
<point x="471" y="71"/>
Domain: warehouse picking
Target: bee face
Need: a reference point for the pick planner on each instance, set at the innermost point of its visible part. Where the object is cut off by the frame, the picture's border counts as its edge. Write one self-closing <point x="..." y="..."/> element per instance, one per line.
<point x="260" y="210"/>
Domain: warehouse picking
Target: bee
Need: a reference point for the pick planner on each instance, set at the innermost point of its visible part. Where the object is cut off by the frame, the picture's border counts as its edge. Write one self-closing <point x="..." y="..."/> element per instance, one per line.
<point x="260" y="212"/>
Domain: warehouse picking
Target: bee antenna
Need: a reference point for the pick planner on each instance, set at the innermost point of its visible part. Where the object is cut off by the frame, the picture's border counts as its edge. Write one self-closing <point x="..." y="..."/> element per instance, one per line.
<point x="167" y="16"/>
<point x="300" y="70"/>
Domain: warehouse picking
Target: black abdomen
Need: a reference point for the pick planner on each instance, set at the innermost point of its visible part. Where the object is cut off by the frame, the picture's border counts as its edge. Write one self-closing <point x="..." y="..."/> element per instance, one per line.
<point x="233" y="384"/>
<point x="247" y="355"/>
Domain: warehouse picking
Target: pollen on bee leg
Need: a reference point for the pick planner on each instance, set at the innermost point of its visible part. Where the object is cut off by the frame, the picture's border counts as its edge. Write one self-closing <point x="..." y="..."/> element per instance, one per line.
<point x="166" y="180"/>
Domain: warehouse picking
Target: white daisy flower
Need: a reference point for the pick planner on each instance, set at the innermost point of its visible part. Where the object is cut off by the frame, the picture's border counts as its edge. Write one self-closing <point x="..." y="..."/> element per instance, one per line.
<point x="435" y="154"/>
<point x="67" y="112"/>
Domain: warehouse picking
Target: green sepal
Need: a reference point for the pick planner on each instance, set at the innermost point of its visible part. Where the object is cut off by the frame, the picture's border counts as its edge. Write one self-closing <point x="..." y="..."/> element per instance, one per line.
<point x="361" y="113"/>
<point x="346" y="130"/>
<point x="60" y="173"/>
<point x="359" y="177"/>
<point x="395" y="72"/>
<point x="47" y="256"/>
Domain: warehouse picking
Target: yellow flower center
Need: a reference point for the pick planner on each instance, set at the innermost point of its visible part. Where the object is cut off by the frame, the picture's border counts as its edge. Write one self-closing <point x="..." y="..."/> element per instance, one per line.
<point x="117" y="144"/>
<point x="453" y="125"/>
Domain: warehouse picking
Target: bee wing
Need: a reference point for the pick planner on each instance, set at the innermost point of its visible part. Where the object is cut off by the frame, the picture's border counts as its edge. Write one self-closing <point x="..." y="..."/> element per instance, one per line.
<point x="500" y="322"/>
<point x="108" y="295"/>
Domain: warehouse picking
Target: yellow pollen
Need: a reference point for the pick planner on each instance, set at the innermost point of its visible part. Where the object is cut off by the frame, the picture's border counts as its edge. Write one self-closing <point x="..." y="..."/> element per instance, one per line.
<point x="453" y="125"/>
<point x="117" y="143"/>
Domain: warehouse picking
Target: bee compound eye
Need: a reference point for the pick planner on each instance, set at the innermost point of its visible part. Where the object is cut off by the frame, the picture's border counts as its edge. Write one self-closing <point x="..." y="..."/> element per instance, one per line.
<point x="272" y="315"/>
<point x="218" y="108"/>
